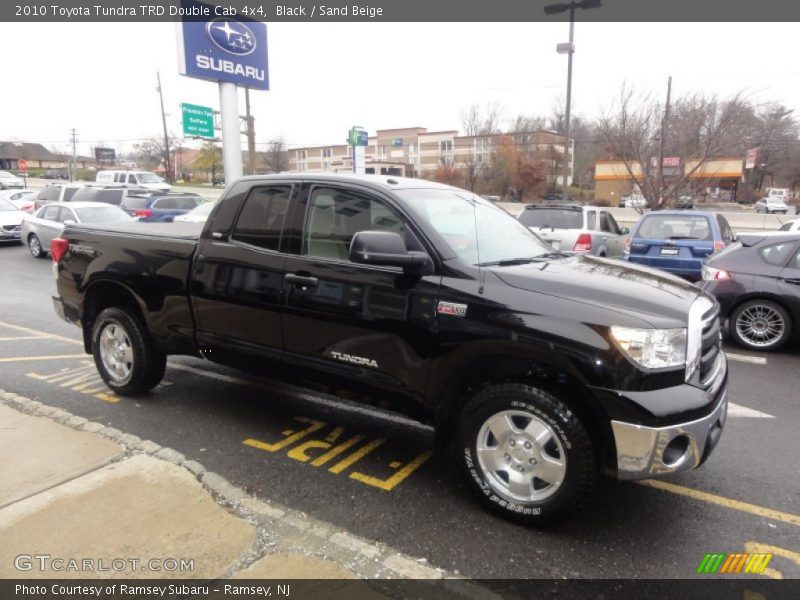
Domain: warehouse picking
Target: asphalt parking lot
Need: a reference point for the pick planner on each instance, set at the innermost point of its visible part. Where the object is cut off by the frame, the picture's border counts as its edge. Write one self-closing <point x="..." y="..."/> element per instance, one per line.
<point x="378" y="477"/>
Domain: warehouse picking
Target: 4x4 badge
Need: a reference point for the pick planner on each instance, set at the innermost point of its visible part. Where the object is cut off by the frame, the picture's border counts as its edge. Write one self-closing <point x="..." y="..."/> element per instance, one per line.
<point x="452" y="308"/>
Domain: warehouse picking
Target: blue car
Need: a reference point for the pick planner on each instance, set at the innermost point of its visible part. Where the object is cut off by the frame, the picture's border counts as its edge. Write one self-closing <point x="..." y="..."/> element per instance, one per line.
<point x="678" y="241"/>
<point x="160" y="207"/>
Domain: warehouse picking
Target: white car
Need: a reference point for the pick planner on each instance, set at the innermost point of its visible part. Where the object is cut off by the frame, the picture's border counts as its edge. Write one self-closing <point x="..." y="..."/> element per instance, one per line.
<point x="9" y="181"/>
<point x="196" y="215"/>
<point x="771" y="205"/>
<point x="22" y="199"/>
<point x="793" y="225"/>
<point x="38" y="230"/>
<point x="633" y="201"/>
<point x="10" y="222"/>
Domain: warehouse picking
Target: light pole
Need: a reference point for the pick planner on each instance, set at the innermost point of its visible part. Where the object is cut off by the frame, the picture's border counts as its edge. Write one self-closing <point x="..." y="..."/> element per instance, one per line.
<point x="569" y="50"/>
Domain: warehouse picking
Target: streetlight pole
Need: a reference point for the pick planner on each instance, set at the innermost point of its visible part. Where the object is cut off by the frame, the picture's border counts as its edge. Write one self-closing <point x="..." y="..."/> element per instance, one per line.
<point x="569" y="50"/>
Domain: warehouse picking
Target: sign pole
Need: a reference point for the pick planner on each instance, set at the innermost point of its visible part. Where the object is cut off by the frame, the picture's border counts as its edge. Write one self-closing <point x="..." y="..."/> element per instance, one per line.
<point x="229" y="122"/>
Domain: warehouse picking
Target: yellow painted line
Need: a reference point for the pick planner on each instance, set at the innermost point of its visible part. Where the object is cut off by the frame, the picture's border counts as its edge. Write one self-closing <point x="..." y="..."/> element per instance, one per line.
<point x="753" y="509"/>
<point x="52" y="357"/>
<point x="24" y="337"/>
<point x="40" y="333"/>
<point x="397" y="478"/>
<point x="356" y="456"/>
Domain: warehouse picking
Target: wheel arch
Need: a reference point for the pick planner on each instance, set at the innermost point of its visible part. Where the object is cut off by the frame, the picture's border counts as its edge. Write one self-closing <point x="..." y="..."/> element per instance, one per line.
<point x="105" y="294"/>
<point x="480" y="372"/>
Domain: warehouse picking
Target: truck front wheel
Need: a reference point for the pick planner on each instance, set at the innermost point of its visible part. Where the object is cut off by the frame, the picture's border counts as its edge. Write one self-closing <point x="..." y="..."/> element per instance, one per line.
<point x="124" y="354"/>
<point x="525" y="453"/>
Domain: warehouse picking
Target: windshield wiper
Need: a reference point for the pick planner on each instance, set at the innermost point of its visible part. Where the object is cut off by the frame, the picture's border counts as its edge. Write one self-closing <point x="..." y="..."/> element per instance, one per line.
<point x="508" y="262"/>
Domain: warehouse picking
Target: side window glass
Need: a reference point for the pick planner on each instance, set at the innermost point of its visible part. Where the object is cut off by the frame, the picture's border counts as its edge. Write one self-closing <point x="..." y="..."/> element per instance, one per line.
<point x="612" y="222"/>
<point x="797" y="260"/>
<point x="50" y="213"/>
<point x="335" y="216"/>
<point x="604" y="224"/>
<point x="260" y="221"/>
<point x="591" y="220"/>
<point x="777" y="254"/>
<point x="132" y="178"/>
<point x="66" y="215"/>
<point x="725" y="229"/>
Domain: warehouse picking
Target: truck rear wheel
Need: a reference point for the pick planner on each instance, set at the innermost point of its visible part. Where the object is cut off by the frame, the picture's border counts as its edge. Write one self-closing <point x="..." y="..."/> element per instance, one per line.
<point x="525" y="453"/>
<point x="124" y="354"/>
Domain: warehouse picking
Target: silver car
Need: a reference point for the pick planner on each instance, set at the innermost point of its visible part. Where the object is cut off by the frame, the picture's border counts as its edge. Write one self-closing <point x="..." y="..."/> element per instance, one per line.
<point x="10" y="222"/>
<point x="771" y="204"/>
<point x="575" y="228"/>
<point x="39" y="229"/>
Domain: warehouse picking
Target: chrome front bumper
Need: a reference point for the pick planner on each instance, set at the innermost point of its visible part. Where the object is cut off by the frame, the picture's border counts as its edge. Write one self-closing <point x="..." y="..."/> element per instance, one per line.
<point x="645" y="452"/>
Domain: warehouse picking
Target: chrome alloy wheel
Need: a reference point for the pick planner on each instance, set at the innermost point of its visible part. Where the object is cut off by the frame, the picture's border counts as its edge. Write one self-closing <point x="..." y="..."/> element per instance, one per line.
<point x="35" y="246"/>
<point x="521" y="456"/>
<point x="116" y="352"/>
<point x="760" y="325"/>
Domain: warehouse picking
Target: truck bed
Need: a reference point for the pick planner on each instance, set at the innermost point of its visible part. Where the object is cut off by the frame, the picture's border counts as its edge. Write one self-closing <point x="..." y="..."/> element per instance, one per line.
<point x="182" y="231"/>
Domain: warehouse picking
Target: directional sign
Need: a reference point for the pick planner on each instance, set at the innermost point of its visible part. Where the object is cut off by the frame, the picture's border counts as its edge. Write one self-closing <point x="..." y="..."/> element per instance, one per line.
<point x="198" y="121"/>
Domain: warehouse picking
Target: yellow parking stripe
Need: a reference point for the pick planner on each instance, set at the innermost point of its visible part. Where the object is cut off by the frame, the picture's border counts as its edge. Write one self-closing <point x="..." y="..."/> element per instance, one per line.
<point x="40" y="333"/>
<point x="753" y="509"/>
<point x="51" y="357"/>
<point x="24" y="337"/>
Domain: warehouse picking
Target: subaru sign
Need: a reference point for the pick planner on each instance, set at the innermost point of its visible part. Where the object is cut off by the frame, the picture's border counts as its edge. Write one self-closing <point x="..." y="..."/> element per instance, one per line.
<point x="224" y="49"/>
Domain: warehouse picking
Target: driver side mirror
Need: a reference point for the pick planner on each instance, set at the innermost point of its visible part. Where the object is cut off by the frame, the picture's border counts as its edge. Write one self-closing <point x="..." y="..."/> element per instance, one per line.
<point x="624" y="231"/>
<point x="387" y="249"/>
<point x="68" y="222"/>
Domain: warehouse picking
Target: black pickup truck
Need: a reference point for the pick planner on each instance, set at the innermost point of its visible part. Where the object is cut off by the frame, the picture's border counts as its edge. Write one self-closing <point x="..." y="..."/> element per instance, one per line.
<point x="538" y="369"/>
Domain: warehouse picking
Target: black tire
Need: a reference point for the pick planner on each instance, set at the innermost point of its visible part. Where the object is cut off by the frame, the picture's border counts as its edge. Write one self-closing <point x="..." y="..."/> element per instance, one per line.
<point x="146" y="365"/>
<point x="566" y="438"/>
<point x="35" y="246"/>
<point x="766" y="311"/>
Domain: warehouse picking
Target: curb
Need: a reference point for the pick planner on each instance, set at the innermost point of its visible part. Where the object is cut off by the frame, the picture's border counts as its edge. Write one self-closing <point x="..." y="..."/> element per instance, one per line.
<point x="365" y="558"/>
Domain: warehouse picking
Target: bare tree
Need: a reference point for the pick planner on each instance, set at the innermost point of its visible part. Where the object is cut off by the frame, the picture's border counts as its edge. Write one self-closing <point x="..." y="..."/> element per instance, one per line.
<point x="150" y="153"/>
<point x="486" y="120"/>
<point x="277" y="156"/>
<point x="699" y="128"/>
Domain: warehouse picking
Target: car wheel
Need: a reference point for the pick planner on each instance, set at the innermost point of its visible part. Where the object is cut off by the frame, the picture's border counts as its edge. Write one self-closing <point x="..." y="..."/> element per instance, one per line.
<point x="760" y="325"/>
<point x="35" y="246"/>
<point x="124" y="354"/>
<point x="525" y="453"/>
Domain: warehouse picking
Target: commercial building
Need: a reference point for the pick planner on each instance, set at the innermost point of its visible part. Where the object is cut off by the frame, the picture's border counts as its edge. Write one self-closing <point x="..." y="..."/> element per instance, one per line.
<point x="717" y="178"/>
<point x="417" y="152"/>
<point x="36" y="156"/>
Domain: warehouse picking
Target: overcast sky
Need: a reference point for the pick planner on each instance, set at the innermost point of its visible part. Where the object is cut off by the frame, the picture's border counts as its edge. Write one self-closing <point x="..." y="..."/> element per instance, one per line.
<point x="101" y="78"/>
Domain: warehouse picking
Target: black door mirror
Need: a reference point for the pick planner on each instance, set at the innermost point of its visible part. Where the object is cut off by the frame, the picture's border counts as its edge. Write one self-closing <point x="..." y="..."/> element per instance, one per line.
<point x="387" y="249"/>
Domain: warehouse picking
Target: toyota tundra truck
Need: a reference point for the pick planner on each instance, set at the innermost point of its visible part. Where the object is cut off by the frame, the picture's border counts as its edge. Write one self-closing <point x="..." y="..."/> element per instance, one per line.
<point x="539" y="370"/>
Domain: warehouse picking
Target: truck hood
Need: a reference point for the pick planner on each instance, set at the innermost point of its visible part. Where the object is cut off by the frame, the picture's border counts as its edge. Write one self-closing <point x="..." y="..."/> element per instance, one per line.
<point x="608" y="284"/>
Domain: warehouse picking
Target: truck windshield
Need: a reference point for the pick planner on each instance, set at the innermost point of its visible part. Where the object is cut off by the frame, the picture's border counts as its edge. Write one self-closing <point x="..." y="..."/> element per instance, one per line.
<point x="149" y="178"/>
<point x="473" y="228"/>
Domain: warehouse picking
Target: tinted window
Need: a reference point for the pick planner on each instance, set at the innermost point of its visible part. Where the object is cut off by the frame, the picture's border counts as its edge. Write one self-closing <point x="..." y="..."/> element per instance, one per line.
<point x="176" y="203"/>
<point x="604" y="224"/>
<point x="69" y="193"/>
<point x="725" y="229"/>
<point x="49" y="212"/>
<point x="84" y="195"/>
<point x="50" y="193"/>
<point x="777" y="254"/>
<point x="133" y="202"/>
<point x="132" y="178"/>
<point x="612" y="223"/>
<point x="109" y="196"/>
<point x="558" y="218"/>
<point x="796" y="264"/>
<point x="261" y="220"/>
<point x="665" y="227"/>
<point x="591" y="220"/>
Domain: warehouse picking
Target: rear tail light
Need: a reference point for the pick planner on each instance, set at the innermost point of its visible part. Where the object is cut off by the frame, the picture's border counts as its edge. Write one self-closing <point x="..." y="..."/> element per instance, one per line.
<point x="27" y="208"/>
<point x="583" y="244"/>
<point x="719" y="245"/>
<point x="712" y="274"/>
<point x="145" y="212"/>
<point x="58" y="247"/>
<point x="627" y="244"/>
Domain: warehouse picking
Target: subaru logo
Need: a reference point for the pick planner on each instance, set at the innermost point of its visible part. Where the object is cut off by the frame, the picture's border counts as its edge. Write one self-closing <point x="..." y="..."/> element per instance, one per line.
<point x="231" y="36"/>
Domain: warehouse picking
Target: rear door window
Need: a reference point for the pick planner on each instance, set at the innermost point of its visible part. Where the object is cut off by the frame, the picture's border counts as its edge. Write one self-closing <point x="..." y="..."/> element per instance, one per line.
<point x="556" y="218"/>
<point x="69" y="193"/>
<point x="591" y="220"/>
<point x="260" y="221"/>
<point x="110" y="196"/>
<point x="612" y="223"/>
<point x="134" y="203"/>
<point x="725" y="229"/>
<point x="51" y="193"/>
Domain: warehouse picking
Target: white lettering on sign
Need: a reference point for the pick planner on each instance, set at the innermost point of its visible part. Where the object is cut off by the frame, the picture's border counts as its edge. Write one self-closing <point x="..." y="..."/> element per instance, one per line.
<point x="226" y="66"/>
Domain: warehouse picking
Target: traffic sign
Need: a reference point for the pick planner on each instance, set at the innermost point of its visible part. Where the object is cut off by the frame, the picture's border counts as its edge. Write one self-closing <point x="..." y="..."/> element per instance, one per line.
<point x="198" y="121"/>
<point x="22" y="164"/>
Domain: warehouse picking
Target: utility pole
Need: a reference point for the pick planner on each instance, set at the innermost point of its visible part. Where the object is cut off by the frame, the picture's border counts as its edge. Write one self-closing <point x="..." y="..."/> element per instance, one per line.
<point x="251" y="133"/>
<point x="662" y="142"/>
<point x="73" y="172"/>
<point x="164" y="123"/>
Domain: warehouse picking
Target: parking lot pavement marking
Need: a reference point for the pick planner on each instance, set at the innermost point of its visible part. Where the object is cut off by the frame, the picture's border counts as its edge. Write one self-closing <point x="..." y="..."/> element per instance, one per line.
<point x="39" y="333"/>
<point x="84" y="379"/>
<point x="736" y="410"/>
<point x="746" y="358"/>
<point x="24" y="337"/>
<point x="391" y="482"/>
<point x="757" y="547"/>
<point x="49" y="357"/>
<point x="753" y="509"/>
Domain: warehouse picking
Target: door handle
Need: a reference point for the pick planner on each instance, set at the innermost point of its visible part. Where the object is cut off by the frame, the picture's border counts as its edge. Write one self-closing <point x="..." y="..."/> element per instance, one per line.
<point x="301" y="280"/>
<point x="199" y="264"/>
<point x="791" y="280"/>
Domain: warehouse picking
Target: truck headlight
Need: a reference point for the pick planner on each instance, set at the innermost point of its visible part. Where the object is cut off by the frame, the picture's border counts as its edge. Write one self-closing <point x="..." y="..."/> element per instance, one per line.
<point x="652" y="348"/>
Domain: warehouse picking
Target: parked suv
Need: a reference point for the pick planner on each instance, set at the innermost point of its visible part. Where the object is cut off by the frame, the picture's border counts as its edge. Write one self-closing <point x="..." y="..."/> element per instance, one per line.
<point x="160" y="207"/>
<point x="57" y="192"/>
<point x="575" y="228"/>
<point x="678" y="241"/>
<point x="109" y="195"/>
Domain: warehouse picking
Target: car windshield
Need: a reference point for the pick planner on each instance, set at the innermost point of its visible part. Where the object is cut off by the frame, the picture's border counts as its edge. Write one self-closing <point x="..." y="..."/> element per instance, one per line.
<point x="557" y="218"/>
<point x="474" y="229"/>
<point x="674" y="227"/>
<point x="148" y="178"/>
<point x="5" y="205"/>
<point x="102" y="214"/>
